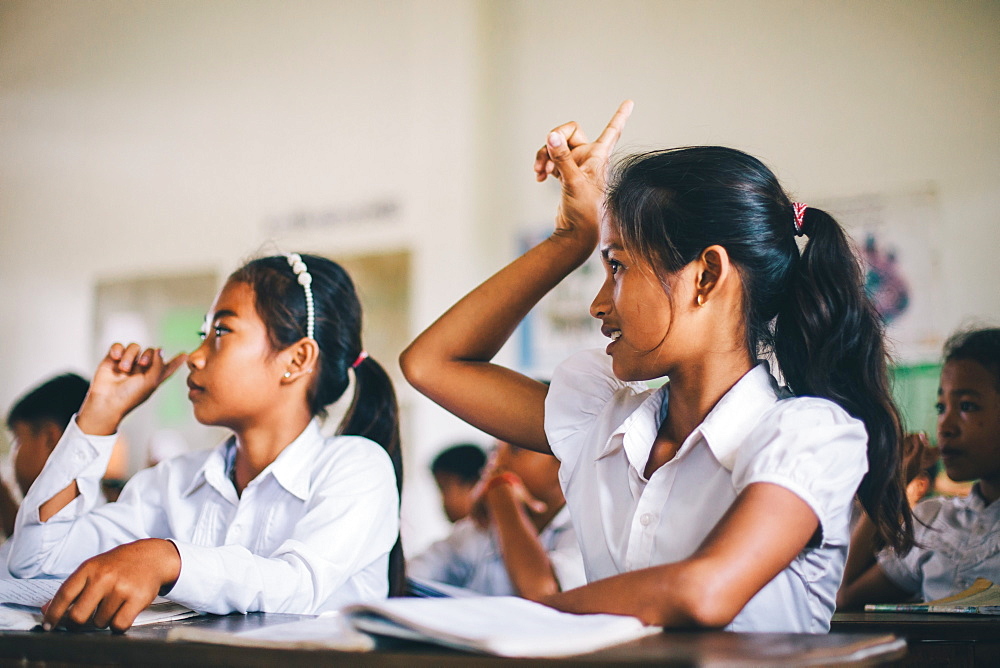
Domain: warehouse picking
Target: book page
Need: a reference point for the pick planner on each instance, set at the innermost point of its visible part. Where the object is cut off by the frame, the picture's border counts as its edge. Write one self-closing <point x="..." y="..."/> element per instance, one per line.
<point x="31" y="594"/>
<point x="503" y="625"/>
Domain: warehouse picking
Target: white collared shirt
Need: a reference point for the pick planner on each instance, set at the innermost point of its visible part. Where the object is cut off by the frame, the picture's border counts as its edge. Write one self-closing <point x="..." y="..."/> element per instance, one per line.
<point x="310" y="533"/>
<point x="602" y="430"/>
<point x="958" y="541"/>
<point x="470" y="557"/>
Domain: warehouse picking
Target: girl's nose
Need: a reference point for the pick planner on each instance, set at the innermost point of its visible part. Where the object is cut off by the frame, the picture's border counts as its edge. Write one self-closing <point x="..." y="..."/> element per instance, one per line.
<point x="947" y="425"/>
<point x="196" y="359"/>
<point x="601" y="305"/>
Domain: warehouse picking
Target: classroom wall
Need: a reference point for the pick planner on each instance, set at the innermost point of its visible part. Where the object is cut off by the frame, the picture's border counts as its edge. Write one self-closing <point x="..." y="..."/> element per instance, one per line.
<point x="173" y="137"/>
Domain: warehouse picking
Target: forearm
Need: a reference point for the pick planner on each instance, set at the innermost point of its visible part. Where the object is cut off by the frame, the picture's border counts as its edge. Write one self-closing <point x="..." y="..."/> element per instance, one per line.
<point x="672" y="595"/>
<point x="861" y="556"/>
<point x="8" y="509"/>
<point x="55" y="542"/>
<point x="524" y="556"/>
<point x="230" y="578"/>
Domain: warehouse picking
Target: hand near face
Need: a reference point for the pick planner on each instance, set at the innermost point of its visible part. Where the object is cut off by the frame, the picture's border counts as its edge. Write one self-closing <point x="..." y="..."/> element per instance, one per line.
<point x="111" y="589"/>
<point x="504" y="487"/>
<point x="582" y="167"/>
<point x="124" y="379"/>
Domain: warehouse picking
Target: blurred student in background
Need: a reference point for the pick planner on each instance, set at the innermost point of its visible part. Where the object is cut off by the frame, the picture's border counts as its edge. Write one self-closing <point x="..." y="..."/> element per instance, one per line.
<point x="456" y="471"/>
<point x="957" y="538"/>
<point x="519" y="539"/>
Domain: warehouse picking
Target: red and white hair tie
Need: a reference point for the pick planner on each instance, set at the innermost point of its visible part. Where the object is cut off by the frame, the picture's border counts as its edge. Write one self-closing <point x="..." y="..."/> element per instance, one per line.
<point x="361" y="358"/>
<point x="799" y="209"/>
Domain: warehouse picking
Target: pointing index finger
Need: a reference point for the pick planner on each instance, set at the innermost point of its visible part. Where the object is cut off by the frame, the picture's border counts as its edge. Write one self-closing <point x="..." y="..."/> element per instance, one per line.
<point x="615" y="126"/>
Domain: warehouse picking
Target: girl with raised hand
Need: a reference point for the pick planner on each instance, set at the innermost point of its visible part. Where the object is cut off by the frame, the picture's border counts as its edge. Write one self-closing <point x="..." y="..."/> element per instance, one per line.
<point x="278" y="518"/>
<point x="720" y="499"/>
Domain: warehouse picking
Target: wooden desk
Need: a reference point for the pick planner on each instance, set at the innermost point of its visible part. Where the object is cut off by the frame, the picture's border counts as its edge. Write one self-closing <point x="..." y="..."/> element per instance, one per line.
<point x="147" y="646"/>
<point x="952" y="640"/>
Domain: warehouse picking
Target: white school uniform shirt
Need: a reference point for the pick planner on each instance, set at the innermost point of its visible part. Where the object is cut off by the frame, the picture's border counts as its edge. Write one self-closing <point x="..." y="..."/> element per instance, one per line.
<point x="957" y="541"/>
<point x="470" y="557"/>
<point x="310" y="533"/>
<point x="602" y="430"/>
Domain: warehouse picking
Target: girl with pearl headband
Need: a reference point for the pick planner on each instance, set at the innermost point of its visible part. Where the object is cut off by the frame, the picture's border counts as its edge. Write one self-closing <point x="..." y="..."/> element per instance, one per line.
<point x="278" y="518"/>
<point x="720" y="499"/>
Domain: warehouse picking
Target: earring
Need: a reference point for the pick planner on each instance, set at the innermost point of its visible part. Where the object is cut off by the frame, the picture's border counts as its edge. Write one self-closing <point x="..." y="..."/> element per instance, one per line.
<point x="288" y="374"/>
<point x="700" y="299"/>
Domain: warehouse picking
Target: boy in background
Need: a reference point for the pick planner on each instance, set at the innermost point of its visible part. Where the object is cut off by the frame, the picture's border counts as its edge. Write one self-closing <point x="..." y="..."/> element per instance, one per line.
<point x="518" y="540"/>
<point x="456" y="471"/>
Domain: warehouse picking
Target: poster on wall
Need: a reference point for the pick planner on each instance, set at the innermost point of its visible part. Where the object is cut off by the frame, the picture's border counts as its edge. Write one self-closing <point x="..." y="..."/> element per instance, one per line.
<point x="896" y="235"/>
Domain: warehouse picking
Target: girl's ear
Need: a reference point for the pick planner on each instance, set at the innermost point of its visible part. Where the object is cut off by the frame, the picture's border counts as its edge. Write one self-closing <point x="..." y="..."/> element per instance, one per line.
<point x="714" y="269"/>
<point x="303" y="359"/>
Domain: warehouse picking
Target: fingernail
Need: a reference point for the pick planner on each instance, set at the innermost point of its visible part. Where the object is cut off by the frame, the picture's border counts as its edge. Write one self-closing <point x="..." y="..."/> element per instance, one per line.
<point x="46" y="626"/>
<point x="555" y="139"/>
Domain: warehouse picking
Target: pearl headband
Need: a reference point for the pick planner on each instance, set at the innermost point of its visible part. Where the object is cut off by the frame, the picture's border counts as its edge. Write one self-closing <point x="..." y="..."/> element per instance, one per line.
<point x="305" y="280"/>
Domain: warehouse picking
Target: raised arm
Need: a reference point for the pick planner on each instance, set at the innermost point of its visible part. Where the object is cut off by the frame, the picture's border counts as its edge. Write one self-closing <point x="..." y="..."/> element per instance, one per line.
<point x="450" y="361"/>
<point x="124" y="379"/>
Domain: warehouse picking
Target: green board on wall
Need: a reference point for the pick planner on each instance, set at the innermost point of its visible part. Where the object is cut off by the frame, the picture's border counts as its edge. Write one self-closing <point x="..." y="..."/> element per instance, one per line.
<point x="915" y="390"/>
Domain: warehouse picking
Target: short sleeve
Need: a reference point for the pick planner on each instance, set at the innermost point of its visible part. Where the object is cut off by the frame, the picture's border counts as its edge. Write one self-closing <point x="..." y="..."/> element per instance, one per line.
<point x="582" y="387"/>
<point x="813" y="448"/>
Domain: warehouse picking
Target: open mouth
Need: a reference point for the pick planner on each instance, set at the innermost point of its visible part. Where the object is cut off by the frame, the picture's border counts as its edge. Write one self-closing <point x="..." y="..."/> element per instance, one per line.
<point x="615" y="335"/>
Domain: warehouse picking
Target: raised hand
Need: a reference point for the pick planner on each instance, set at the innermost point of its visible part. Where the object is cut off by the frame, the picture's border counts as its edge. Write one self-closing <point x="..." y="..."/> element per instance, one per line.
<point x="124" y="379"/>
<point x="582" y="168"/>
<point x="111" y="589"/>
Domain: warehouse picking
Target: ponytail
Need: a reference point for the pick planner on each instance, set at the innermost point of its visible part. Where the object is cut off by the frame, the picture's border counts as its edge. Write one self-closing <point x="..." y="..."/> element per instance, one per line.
<point x="829" y="342"/>
<point x="374" y="414"/>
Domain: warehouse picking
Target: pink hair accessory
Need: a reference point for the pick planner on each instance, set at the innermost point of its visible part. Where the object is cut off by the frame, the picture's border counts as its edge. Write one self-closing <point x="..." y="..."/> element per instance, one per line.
<point x="799" y="209"/>
<point x="361" y="358"/>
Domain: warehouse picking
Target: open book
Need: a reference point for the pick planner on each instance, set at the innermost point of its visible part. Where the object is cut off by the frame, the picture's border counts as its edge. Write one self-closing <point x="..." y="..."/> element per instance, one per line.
<point x="21" y="602"/>
<point x="502" y="625"/>
<point x="982" y="598"/>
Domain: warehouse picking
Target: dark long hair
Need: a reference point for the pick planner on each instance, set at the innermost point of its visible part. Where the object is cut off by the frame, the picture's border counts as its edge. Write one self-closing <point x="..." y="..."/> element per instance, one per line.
<point x="373" y="413"/>
<point x="810" y="309"/>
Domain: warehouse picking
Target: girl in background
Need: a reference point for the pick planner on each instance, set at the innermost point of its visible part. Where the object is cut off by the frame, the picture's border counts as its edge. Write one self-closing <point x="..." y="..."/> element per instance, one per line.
<point x="276" y="519"/>
<point x="958" y="538"/>
<point x="720" y="499"/>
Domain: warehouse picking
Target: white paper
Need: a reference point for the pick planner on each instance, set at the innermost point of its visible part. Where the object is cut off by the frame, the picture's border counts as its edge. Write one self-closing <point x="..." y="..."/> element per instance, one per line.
<point x="503" y="625"/>
<point x="34" y="593"/>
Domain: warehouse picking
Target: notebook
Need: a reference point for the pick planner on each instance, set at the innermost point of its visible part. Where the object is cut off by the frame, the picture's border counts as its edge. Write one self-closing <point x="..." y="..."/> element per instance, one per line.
<point x="501" y="625"/>
<point x="982" y="598"/>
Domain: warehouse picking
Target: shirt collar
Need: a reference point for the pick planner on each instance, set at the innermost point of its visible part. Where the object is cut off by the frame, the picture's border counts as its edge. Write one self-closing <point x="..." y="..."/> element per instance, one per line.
<point x="724" y="428"/>
<point x="290" y="469"/>
<point x="731" y="419"/>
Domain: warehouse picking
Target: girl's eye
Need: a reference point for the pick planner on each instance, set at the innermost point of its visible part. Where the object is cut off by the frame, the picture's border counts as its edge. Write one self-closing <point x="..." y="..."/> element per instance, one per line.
<point x="967" y="407"/>
<point x="939" y="408"/>
<point x="220" y="330"/>
<point x="202" y="334"/>
<point x="614" y="266"/>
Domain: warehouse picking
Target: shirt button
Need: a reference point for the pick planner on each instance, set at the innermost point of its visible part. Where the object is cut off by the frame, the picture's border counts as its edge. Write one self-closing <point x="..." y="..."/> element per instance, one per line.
<point x="646" y="519"/>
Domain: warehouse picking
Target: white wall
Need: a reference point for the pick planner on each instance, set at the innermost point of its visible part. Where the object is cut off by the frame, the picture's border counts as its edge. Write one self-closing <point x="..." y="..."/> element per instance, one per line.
<point x="161" y="137"/>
